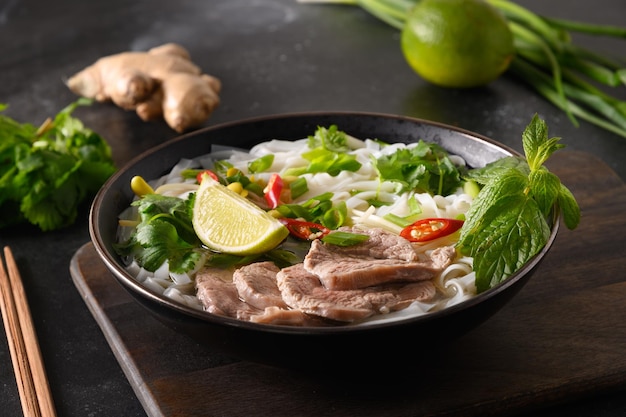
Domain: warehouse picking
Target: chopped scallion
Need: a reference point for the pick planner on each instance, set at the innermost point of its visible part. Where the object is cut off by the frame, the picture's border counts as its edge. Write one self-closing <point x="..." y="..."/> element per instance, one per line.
<point x="298" y="187"/>
<point x="344" y="238"/>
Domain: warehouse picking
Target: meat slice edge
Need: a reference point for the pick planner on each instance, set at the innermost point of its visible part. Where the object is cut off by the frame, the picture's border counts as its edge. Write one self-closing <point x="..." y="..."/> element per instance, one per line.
<point x="348" y="268"/>
<point x="290" y="317"/>
<point x="218" y="294"/>
<point x="256" y="285"/>
<point x="304" y="291"/>
<point x="380" y="245"/>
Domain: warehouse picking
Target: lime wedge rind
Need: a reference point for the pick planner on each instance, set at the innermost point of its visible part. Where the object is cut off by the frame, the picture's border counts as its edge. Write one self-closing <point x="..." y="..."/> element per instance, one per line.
<point x="229" y="223"/>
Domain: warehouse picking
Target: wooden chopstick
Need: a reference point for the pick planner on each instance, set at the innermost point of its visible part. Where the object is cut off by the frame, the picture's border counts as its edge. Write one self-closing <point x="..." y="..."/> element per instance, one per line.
<point x="30" y="374"/>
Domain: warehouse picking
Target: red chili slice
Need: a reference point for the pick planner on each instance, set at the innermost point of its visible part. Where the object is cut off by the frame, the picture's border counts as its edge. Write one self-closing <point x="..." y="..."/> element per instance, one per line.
<point x="305" y="230"/>
<point x="273" y="190"/>
<point x="209" y="173"/>
<point x="431" y="228"/>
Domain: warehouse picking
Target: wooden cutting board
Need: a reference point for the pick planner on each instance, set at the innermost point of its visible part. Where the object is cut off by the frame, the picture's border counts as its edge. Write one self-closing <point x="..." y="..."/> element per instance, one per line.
<point x="561" y="338"/>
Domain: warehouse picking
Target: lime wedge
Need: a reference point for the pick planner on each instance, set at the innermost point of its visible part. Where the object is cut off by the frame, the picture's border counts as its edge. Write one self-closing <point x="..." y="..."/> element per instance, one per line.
<point x="229" y="223"/>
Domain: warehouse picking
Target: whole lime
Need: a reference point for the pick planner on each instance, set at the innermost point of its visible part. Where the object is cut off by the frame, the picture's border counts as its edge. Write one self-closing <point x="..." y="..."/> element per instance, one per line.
<point x="457" y="43"/>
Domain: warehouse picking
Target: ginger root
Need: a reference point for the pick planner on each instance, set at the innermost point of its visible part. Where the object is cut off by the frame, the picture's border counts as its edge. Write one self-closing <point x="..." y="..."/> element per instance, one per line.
<point x="160" y="83"/>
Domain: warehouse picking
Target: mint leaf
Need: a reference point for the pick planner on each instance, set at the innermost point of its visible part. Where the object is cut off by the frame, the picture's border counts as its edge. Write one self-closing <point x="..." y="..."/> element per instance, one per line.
<point x="512" y="234"/>
<point x="509" y="185"/>
<point x="544" y="187"/>
<point x="569" y="207"/>
<point x="537" y="146"/>
<point x="497" y="168"/>
<point x="509" y="220"/>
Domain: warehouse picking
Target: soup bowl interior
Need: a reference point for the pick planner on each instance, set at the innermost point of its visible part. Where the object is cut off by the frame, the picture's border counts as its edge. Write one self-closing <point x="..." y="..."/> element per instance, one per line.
<point x="383" y="344"/>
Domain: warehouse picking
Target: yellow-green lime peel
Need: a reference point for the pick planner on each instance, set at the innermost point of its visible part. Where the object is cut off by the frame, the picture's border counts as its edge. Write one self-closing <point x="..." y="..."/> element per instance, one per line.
<point x="457" y="43"/>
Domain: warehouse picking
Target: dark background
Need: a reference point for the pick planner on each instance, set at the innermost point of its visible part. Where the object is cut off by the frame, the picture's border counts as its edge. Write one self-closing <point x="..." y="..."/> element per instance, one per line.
<point x="272" y="56"/>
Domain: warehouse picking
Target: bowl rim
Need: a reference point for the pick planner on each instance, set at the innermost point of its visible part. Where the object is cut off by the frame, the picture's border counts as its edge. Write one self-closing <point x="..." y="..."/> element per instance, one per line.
<point x="131" y="284"/>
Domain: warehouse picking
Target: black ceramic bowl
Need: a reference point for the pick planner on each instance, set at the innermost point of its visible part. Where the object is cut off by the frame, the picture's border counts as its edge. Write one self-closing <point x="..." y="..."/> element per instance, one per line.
<point x="304" y="347"/>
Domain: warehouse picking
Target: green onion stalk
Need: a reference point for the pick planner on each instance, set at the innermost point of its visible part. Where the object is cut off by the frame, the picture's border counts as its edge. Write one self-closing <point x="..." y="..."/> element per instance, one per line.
<point x="572" y="78"/>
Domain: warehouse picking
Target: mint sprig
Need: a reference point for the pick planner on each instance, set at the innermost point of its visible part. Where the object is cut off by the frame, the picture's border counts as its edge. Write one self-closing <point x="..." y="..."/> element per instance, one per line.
<point x="509" y="220"/>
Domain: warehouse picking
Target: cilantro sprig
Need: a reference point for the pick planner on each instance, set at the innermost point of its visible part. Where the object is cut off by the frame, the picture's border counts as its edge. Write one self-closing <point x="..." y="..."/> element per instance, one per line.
<point x="425" y="167"/>
<point x="508" y="222"/>
<point x="46" y="172"/>
<point x="164" y="233"/>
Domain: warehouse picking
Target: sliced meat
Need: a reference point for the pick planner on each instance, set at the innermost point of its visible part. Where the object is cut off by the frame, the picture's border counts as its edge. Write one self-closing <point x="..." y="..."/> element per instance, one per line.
<point x="304" y="291"/>
<point x="290" y="317"/>
<point x="218" y="294"/>
<point x="256" y="285"/>
<point x="264" y="304"/>
<point x="352" y="267"/>
<point x="380" y="245"/>
<point x="333" y="285"/>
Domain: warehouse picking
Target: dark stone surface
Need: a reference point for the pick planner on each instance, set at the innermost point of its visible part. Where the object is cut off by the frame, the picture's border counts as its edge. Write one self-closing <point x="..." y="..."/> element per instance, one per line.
<point x="272" y="56"/>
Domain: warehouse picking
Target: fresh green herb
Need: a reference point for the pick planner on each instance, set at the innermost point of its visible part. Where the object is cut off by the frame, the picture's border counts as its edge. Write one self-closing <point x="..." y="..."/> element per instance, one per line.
<point x="245" y="182"/>
<point x="415" y="211"/>
<point x="496" y="169"/>
<point x="329" y="147"/>
<point x="336" y="217"/>
<point x="508" y="222"/>
<point x="425" y="167"/>
<point x="341" y="238"/>
<point x="397" y="220"/>
<point x="47" y="172"/>
<point x="190" y="173"/>
<point x="318" y="209"/>
<point x="261" y="164"/>
<point x="196" y="174"/>
<point x="165" y="233"/>
<point x="323" y="160"/>
<point x="376" y="202"/>
<point x="298" y="187"/>
<point x="547" y="59"/>
<point x="331" y="139"/>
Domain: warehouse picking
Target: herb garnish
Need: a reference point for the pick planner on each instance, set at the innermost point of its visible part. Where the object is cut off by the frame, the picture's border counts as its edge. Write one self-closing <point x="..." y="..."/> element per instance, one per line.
<point x="507" y="223"/>
<point x="319" y="209"/>
<point x="164" y="233"/>
<point x="329" y="153"/>
<point x="46" y="172"/>
<point x="425" y="167"/>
